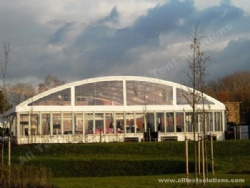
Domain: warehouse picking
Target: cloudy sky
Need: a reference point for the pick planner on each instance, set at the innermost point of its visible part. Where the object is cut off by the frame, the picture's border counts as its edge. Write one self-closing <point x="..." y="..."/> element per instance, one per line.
<point x="79" y="39"/>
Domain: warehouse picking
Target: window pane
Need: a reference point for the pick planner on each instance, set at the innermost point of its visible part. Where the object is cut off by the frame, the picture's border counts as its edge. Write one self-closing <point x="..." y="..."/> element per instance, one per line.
<point x="130" y="123"/>
<point x="209" y="121"/>
<point x="99" y="123"/>
<point x="56" y="123"/>
<point x="146" y="93"/>
<point x="46" y="124"/>
<point x="185" y="97"/>
<point x="189" y="126"/>
<point x="24" y="123"/>
<point x="67" y="123"/>
<point x="78" y="123"/>
<point x="218" y="124"/>
<point x="60" y="98"/>
<point x="99" y="93"/>
<point x="179" y="122"/>
<point x="109" y="123"/>
<point x="150" y="122"/>
<point x="170" y="121"/>
<point x="160" y="122"/>
<point x="139" y="122"/>
<point x="89" y="123"/>
<point x="119" y="122"/>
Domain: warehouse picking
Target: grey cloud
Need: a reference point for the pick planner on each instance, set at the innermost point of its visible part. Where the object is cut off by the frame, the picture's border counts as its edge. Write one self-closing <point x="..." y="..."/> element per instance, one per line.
<point x="59" y="35"/>
<point x="163" y="18"/>
<point x="217" y="15"/>
<point x="115" y="49"/>
<point x="103" y="49"/>
<point x="235" y="57"/>
<point x="112" y="17"/>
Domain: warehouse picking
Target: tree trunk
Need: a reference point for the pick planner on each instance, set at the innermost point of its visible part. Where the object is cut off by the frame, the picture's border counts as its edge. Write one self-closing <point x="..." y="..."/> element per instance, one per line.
<point x="187" y="168"/>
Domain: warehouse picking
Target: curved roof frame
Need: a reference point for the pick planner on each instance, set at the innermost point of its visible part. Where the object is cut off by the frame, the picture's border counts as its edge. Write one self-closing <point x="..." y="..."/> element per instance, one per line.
<point x="218" y="105"/>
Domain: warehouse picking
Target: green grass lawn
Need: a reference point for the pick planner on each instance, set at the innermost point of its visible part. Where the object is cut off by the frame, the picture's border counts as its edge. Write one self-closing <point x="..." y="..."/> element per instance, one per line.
<point x="133" y="164"/>
<point x="146" y="181"/>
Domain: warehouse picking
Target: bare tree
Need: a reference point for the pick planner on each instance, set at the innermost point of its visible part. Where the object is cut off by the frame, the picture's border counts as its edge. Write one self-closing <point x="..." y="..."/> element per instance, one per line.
<point x="2" y="98"/>
<point x="234" y="87"/>
<point x="196" y="75"/>
<point x="4" y="66"/>
<point x="50" y="82"/>
<point x="20" y="92"/>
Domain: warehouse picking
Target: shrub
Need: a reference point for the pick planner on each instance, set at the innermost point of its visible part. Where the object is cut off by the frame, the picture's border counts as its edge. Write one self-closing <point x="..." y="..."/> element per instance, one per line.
<point x="30" y="176"/>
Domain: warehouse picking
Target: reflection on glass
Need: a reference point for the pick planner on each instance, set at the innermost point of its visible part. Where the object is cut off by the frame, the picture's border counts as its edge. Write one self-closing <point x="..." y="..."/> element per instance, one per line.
<point x="170" y="121"/>
<point x="189" y="125"/>
<point x="139" y="123"/>
<point x="60" y="98"/>
<point x="209" y="121"/>
<point x="218" y="123"/>
<point x="99" y="93"/>
<point x="78" y="123"/>
<point x="56" y="123"/>
<point x="67" y="123"/>
<point x="150" y="122"/>
<point x="119" y="122"/>
<point x="24" y="123"/>
<point x="184" y="97"/>
<point x="202" y="121"/>
<point x="88" y="122"/>
<point x="109" y="117"/>
<point x="130" y="123"/>
<point x="146" y="93"/>
<point x="160" y="122"/>
<point x="179" y="122"/>
<point x="46" y="124"/>
<point x="99" y="123"/>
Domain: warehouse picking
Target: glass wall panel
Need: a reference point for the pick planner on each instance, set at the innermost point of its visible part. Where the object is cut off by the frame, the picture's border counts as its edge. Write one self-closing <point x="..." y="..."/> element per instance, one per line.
<point x="109" y="117"/>
<point x="99" y="123"/>
<point x="150" y="122"/>
<point x="46" y="124"/>
<point x="202" y="121"/>
<point x="60" y="98"/>
<point x="139" y="123"/>
<point x="78" y="122"/>
<point x="67" y="123"/>
<point x="130" y="123"/>
<point x="182" y="97"/>
<point x="13" y="124"/>
<point x="99" y="93"/>
<point x="56" y="123"/>
<point x="146" y="93"/>
<point x="199" y="122"/>
<point x="209" y="121"/>
<point x="218" y="123"/>
<point x="189" y="126"/>
<point x="163" y="94"/>
<point x="179" y="122"/>
<point x="119" y="122"/>
<point x="34" y="120"/>
<point x="24" y="123"/>
<point x="89" y="124"/>
<point x="160" y="122"/>
<point x="170" y="121"/>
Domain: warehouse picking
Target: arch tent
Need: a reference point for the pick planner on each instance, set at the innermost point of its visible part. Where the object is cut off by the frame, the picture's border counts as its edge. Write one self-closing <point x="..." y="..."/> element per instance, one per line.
<point x="114" y="109"/>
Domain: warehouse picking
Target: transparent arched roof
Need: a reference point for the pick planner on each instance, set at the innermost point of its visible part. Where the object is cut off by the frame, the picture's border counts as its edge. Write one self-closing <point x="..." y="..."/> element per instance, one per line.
<point x="115" y="91"/>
